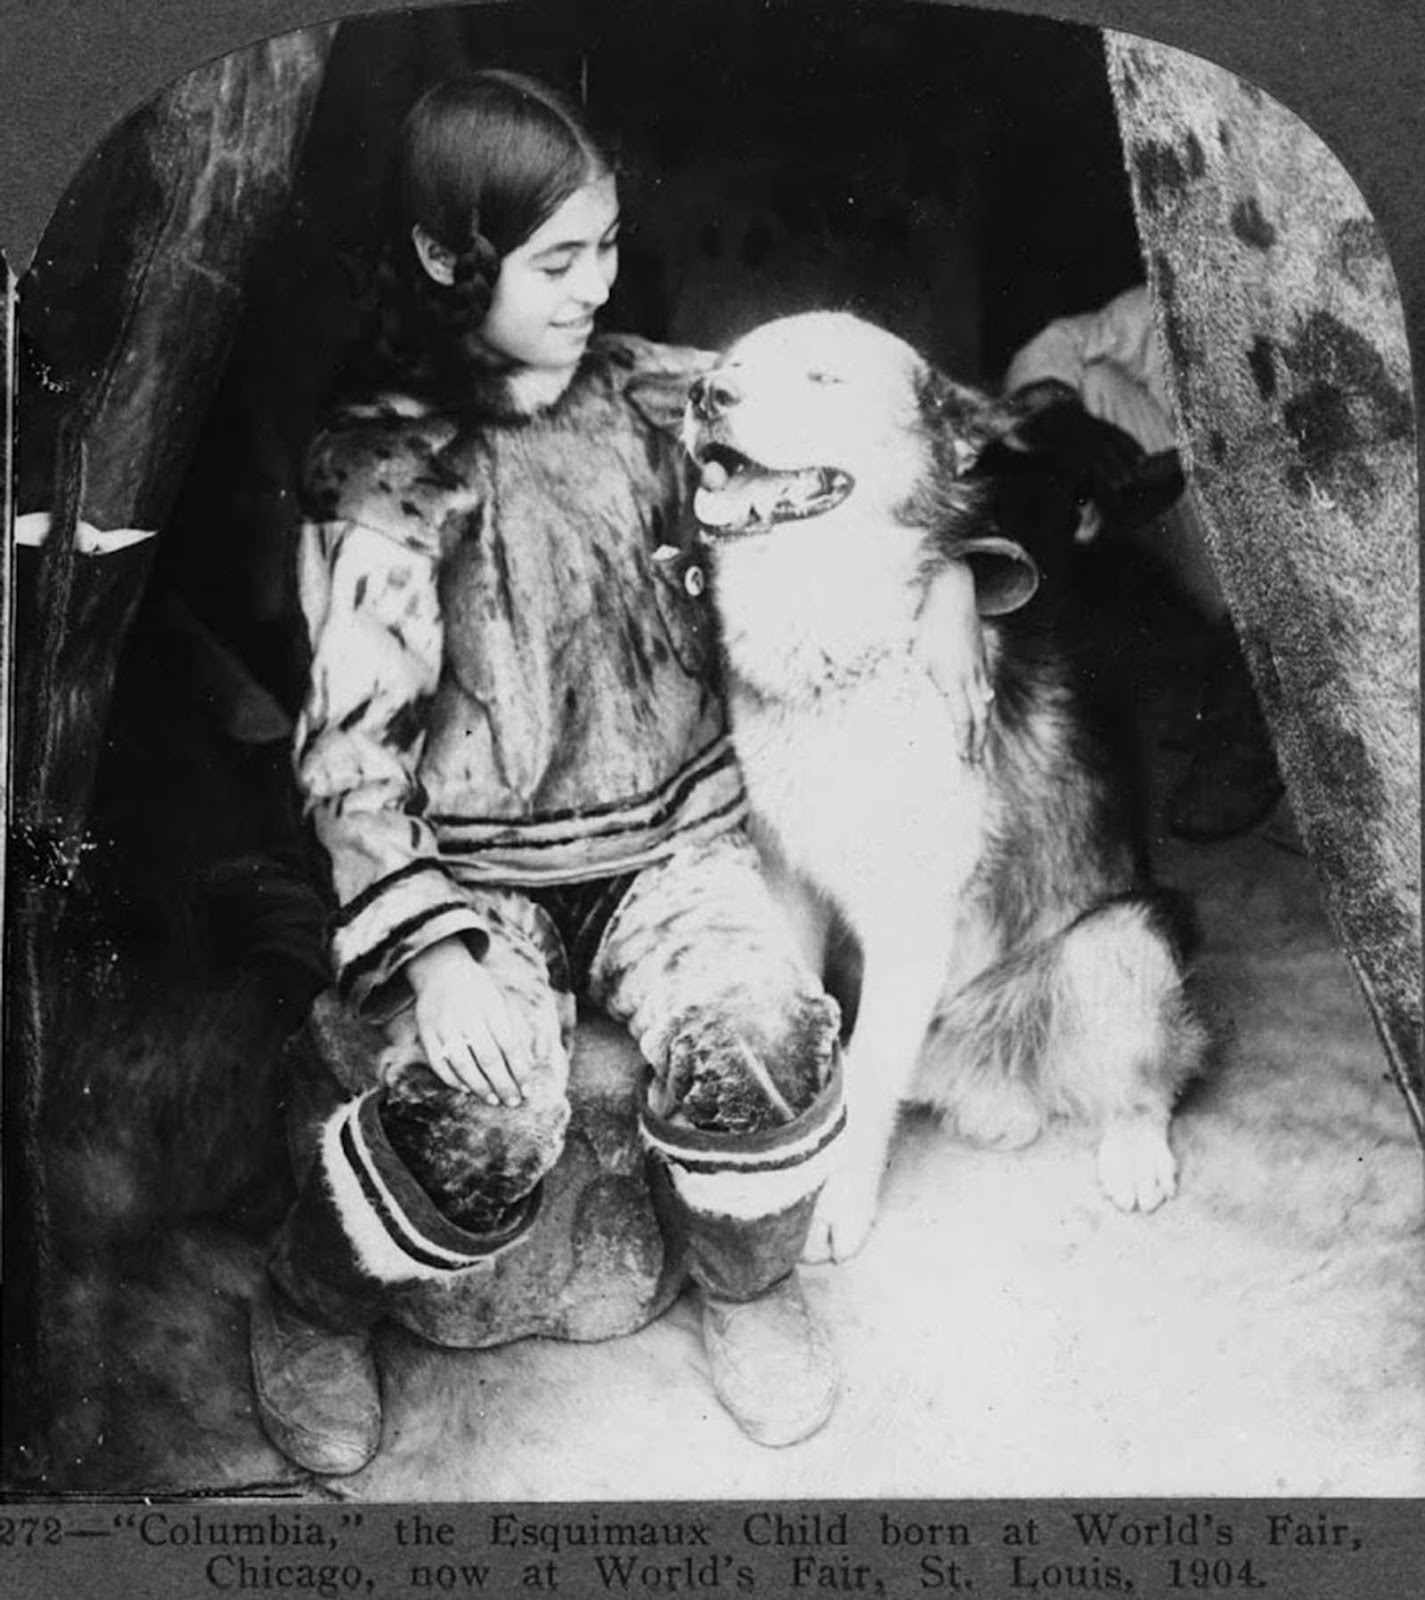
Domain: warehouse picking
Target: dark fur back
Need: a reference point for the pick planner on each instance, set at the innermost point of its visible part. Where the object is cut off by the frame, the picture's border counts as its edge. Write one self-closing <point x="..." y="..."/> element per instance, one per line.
<point x="1071" y="831"/>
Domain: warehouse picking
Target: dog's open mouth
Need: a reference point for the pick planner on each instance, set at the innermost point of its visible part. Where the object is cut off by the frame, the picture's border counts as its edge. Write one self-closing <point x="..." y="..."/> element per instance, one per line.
<point x="737" y="495"/>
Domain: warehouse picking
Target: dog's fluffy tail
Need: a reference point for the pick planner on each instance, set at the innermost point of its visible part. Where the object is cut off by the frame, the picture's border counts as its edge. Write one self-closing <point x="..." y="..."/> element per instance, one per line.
<point x="1092" y="1022"/>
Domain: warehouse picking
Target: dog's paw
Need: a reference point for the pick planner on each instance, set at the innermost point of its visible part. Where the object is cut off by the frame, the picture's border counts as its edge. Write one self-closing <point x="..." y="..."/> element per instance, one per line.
<point x="1136" y="1166"/>
<point x="842" y="1220"/>
<point x="1006" y="1117"/>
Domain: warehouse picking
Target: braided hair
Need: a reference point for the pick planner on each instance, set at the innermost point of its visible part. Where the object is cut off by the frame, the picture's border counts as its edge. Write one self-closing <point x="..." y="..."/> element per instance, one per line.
<point x="482" y="161"/>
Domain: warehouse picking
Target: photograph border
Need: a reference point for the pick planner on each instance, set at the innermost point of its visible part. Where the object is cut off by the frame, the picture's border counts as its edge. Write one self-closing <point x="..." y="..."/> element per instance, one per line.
<point x="1353" y="70"/>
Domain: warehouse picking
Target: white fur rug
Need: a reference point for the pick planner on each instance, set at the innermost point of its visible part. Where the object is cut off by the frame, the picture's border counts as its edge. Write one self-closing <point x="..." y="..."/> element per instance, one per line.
<point x="1005" y="1333"/>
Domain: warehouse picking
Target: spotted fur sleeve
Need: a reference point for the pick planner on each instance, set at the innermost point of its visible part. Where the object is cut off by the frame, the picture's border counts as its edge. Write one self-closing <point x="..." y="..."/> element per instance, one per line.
<point x="374" y="622"/>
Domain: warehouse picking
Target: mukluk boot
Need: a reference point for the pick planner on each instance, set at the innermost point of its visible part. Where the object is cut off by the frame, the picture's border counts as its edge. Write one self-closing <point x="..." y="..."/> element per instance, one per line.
<point x="771" y="1363"/>
<point x="316" y="1388"/>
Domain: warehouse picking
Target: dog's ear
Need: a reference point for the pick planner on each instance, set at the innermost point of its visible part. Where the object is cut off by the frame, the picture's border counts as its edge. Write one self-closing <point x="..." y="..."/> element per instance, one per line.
<point x="960" y="420"/>
<point x="1050" y="429"/>
<point x="1050" y="420"/>
<point x="1006" y="575"/>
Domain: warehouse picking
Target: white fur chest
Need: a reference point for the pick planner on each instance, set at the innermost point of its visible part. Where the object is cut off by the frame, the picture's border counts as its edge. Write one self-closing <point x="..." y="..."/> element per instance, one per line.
<point x="866" y="789"/>
<point x="818" y="602"/>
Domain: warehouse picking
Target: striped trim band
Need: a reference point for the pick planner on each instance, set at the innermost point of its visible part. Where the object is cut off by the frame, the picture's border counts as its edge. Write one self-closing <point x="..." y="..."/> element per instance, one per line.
<point x="394" y="940"/>
<point x="756" y="1175"/>
<point x="714" y="768"/>
<point x="510" y="864"/>
<point x="373" y="891"/>
<point x="395" y="1229"/>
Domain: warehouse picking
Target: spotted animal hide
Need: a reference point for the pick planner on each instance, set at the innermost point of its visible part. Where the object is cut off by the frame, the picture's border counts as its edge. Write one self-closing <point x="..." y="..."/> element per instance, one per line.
<point x="1287" y="346"/>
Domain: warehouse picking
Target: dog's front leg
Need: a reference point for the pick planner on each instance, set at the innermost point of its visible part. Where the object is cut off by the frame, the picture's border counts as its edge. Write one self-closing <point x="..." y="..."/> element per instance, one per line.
<point x="898" y="998"/>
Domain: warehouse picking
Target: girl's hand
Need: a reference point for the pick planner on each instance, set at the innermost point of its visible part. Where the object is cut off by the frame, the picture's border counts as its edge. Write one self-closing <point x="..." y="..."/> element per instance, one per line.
<point x="471" y="1037"/>
<point x="952" y="646"/>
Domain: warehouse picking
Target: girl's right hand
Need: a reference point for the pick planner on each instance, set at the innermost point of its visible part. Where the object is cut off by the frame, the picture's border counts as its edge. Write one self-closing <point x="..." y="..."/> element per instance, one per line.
<point x="471" y="1037"/>
<point x="952" y="645"/>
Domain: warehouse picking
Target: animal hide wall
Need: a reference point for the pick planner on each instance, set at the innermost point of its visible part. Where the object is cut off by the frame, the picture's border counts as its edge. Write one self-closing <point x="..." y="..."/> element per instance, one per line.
<point x="1283" y="326"/>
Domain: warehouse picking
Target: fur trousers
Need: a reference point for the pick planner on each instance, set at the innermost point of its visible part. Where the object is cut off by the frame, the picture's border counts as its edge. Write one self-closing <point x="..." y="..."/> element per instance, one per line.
<point x="743" y="1106"/>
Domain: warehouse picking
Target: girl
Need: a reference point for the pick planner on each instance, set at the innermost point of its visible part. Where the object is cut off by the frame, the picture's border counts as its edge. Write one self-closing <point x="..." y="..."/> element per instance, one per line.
<point x="514" y="753"/>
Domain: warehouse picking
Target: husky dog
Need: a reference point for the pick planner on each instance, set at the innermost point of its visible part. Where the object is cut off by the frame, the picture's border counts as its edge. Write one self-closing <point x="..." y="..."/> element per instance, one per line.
<point x="1017" y="962"/>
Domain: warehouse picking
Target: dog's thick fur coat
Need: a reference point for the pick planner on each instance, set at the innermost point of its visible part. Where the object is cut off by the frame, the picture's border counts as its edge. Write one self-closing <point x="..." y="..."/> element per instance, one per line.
<point x="1017" y="962"/>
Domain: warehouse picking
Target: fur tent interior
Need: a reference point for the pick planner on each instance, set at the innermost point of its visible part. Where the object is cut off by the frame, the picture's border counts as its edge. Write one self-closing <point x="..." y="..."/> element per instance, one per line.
<point x="963" y="177"/>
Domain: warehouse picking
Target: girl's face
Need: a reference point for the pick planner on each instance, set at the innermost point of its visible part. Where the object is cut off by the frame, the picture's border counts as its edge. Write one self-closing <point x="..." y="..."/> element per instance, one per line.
<point x="549" y="288"/>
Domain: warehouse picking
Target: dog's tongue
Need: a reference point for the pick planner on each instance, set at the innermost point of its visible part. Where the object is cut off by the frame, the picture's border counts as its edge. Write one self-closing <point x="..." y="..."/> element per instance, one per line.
<point x="744" y="500"/>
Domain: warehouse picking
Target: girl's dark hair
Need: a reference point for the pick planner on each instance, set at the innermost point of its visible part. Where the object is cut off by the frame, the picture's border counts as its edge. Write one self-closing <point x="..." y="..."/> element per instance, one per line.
<point x="481" y="161"/>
